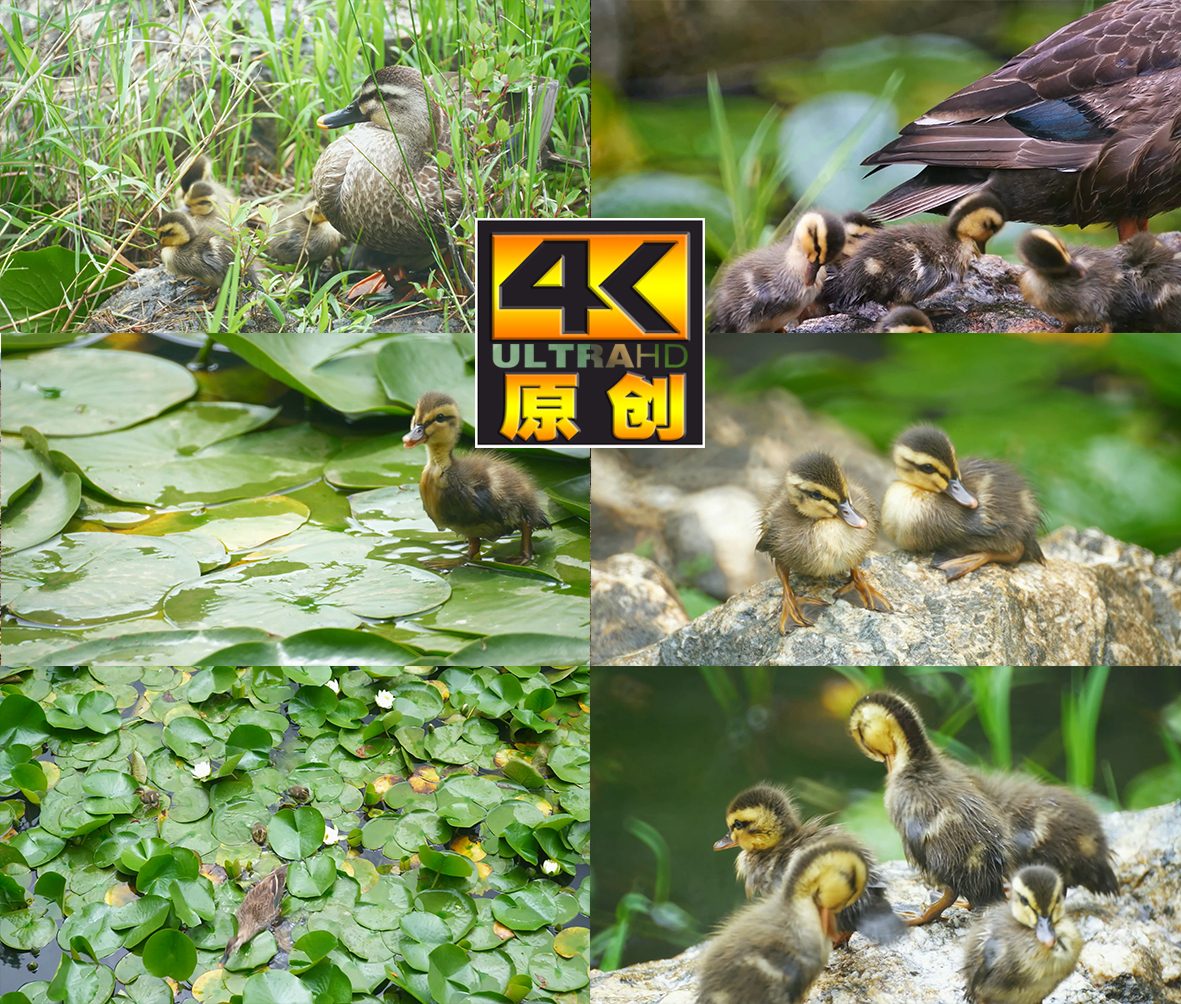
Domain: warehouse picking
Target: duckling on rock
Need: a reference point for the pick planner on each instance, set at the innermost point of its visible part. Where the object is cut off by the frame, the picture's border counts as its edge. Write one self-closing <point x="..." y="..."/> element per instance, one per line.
<point x="768" y="288"/>
<point x="764" y="824"/>
<point x="301" y="235"/>
<point x="968" y="514"/>
<point x="1150" y="294"/>
<point x="1018" y="952"/>
<point x="858" y="226"/>
<point x="820" y="524"/>
<point x="905" y="320"/>
<point x="908" y="263"/>
<point x="477" y="496"/>
<point x="773" y="950"/>
<point x="193" y="251"/>
<point x="1078" y="287"/>
<point x="259" y="910"/>
<point x="952" y="832"/>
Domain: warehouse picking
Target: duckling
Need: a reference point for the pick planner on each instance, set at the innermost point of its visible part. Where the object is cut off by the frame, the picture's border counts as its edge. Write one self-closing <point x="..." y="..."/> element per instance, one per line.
<point x="379" y="184"/>
<point x="300" y="793"/>
<point x="193" y="251"/>
<point x="951" y="830"/>
<point x="1077" y="287"/>
<point x="1018" y="952"/>
<point x="972" y="514"/>
<point x="200" y="172"/>
<point x="905" y="319"/>
<point x="301" y="234"/>
<point x="764" y="824"/>
<point x="820" y="524"/>
<point x="149" y="797"/>
<point x="858" y="226"/>
<point x="477" y="496"/>
<point x="1053" y="826"/>
<point x="258" y="833"/>
<point x="209" y="203"/>
<point x="773" y="950"/>
<point x="908" y="263"/>
<point x="768" y="288"/>
<point x="1150" y="294"/>
<point x="259" y="910"/>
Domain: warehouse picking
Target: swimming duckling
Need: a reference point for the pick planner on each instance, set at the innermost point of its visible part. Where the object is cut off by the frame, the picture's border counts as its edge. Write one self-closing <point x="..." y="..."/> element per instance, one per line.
<point x="820" y="524"/>
<point x="773" y="950"/>
<point x="301" y="234"/>
<point x="905" y="319"/>
<point x="951" y="830"/>
<point x="1053" y="826"/>
<point x="969" y="514"/>
<point x="1076" y="286"/>
<point x="768" y="288"/>
<point x="908" y="263"/>
<point x="1150" y="293"/>
<point x="193" y="251"/>
<point x="259" y="910"/>
<point x="477" y="496"/>
<point x="764" y="824"/>
<point x="1018" y="952"/>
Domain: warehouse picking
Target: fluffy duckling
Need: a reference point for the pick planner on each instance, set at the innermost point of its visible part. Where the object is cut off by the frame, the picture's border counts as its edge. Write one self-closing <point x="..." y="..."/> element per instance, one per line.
<point x="905" y="320"/>
<point x="858" y="226"/>
<point x="773" y="951"/>
<point x="193" y="251"/>
<point x="768" y="288"/>
<point x="762" y="821"/>
<point x="1077" y="287"/>
<point x="201" y="170"/>
<point x="259" y="910"/>
<point x="477" y="496"/>
<point x="300" y="234"/>
<point x="820" y="524"/>
<point x="968" y="514"/>
<point x="1018" y="952"/>
<point x="908" y="263"/>
<point x="1150" y="294"/>
<point x="951" y="830"/>
<point x="1053" y="826"/>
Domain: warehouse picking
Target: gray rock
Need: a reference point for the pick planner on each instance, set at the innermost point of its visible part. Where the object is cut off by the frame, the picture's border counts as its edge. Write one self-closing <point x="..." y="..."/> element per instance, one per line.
<point x="715" y="531"/>
<point x="1096" y="601"/>
<point x="1132" y="949"/>
<point x="638" y="602"/>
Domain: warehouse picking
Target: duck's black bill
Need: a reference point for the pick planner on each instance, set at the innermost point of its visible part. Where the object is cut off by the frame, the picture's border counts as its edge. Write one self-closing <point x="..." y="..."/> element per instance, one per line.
<point x="346" y="116"/>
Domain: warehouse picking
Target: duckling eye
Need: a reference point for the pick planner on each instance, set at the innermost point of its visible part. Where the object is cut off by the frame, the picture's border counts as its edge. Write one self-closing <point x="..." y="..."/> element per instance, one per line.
<point x="1024" y="901"/>
<point x="927" y="468"/>
<point x="440" y="417"/>
<point x="817" y="495"/>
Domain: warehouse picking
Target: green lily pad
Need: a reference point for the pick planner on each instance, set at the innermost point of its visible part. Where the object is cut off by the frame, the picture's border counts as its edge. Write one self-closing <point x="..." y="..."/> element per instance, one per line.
<point x="296" y="833"/>
<point x="372" y="463"/>
<point x="26" y="930"/>
<point x="39" y="509"/>
<point x="410" y="365"/>
<point x="170" y="953"/>
<point x="238" y="525"/>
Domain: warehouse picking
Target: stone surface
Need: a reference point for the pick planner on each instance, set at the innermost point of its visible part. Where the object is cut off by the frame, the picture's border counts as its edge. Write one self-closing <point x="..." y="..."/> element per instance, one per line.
<point x="639" y="604"/>
<point x="1096" y="601"/>
<point x="709" y="538"/>
<point x="1131" y="954"/>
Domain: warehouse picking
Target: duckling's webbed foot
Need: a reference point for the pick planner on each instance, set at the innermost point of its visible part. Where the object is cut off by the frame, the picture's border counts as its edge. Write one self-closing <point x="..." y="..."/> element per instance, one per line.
<point x="860" y="593"/>
<point x="953" y="568"/>
<point x="797" y="609"/>
<point x="934" y="911"/>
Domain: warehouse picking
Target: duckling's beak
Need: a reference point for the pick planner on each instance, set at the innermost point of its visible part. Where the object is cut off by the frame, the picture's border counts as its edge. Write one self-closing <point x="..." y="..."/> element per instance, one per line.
<point x="1077" y="268"/>
<point x="828" y="921"/>
<point x="980" y="246"/>
<point x="812" y="271"/>
<point x="724" y="844"/>
<point x="957" y="491"/>
<point x="1045" y="932"/>
<point x="852" y="516"/>
<point x="346" y="116"/>
<point x="415" y="436"/>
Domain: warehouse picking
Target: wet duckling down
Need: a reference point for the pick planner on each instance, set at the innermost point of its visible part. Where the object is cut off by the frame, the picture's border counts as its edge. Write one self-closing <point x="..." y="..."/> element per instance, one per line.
<point x="480" y="496"/>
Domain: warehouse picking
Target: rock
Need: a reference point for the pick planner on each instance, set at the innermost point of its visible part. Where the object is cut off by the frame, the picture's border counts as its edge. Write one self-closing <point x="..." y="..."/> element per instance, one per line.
<point x="639" y="603"/>
<point x="1131" y="954"/>
<point x="715" y="530"/>
<point x="1096" y="601"/>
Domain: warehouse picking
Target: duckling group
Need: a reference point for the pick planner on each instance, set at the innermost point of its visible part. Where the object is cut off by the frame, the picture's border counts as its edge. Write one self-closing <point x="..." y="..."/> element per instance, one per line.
<point x="818" y="522"/>
<point x="966" y="831"/>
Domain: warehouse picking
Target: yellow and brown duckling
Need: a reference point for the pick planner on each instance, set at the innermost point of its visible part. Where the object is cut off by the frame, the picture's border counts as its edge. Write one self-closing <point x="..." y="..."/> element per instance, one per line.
<point x="194" y="251"/>
<point x="301" y="235"/>
<point x="905" y="320"/>
<point x="1018" y="952"/>
<point x="968" y="514"/>
<point x="952" y="832"/>
<point x="819" y="523"/>
<point x="1150" y="291"/>
<point x="1082" y="127"/>
<point x="763" y="823"/>
<point x="379" y="183"/>
<point x="858" y="226"/>
<point x="210" y="194"/>
<point x="259" y="910"/>
<point x="478" y="496"/>
<point x="768" y="288"/>
<point x="905" y="264"/>
<point x="773" y="950"/>
<point x="1076" y="286"/>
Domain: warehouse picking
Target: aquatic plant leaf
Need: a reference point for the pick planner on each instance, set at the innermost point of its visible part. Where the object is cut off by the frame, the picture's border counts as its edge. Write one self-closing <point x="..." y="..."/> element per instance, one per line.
<point x="311" y="878"/>
<point x="39" y="513"/>
<point x="38" y="846"/>
<point x="525" y="910"/>
<point x="450" y="976"/>
<point x="446" y="862"/>
<point x="81" y="983"/>
<point x="92" y="922"/>
<point x="571" y="764"/>
<point x="21" y="720"/>
<point x="410" y="365"/>
<point x="26" y="930"/>
<point x="456" y="909"/>
<point x="556" y="974"/>
<point x="160" y="869"/>
<point x="296" y="833"/>
<point x="170" y="953"/>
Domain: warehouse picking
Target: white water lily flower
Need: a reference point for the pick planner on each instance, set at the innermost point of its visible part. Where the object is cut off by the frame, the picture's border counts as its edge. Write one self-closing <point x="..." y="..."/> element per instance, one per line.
<point x="385" y="699"/>
<point x="334" y="686"/>
<point x="331" y="834"/>
<point x="202" y="770"/>
<point x="550" y="867"/>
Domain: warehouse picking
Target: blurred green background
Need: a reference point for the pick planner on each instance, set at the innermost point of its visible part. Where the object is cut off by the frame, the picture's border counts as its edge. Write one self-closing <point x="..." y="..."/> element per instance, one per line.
<point x="673" y="746"/>
<point x="799" y="94"/>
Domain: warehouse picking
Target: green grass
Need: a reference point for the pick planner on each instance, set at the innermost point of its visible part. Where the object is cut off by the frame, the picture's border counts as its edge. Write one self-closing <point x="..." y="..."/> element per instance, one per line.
<point x="93" y="158"/>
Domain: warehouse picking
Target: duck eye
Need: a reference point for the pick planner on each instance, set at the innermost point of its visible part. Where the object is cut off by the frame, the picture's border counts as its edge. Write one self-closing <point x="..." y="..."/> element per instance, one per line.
<point x="440" y="417"/>
<point x="817" y="495"/>
<point x="927" y="468"/>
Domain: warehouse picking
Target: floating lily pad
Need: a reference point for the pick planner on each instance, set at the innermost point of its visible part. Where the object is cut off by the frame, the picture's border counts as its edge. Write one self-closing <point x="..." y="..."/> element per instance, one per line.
<point x="39" y="508"/>
<point x="410" y="365"/>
